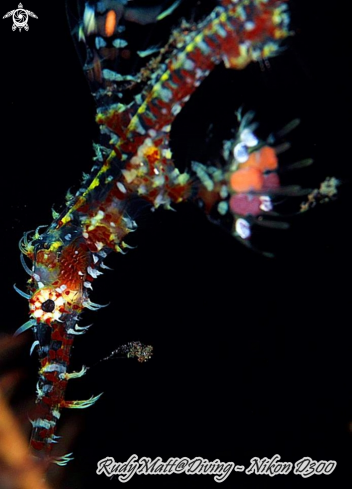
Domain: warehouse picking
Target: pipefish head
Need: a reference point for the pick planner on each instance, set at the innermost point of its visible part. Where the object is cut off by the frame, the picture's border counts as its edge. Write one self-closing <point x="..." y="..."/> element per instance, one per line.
<point x="56" y="289"/>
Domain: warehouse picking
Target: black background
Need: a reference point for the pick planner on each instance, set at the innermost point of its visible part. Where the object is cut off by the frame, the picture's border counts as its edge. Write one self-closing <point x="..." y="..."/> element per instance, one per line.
<point x="251" y="355"/>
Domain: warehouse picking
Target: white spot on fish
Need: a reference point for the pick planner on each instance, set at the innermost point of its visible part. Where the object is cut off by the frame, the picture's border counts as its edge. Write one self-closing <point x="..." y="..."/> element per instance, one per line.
<point x="243" y="229"/>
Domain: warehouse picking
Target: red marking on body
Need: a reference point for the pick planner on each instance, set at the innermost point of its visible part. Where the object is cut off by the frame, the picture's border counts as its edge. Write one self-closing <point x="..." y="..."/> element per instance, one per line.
<point x="52" y="354"/>
<point x="116" y="121"/>
<point x="262" y="23"/>
<point x="56" y="335"/>
<point x="74" y="259"/>
<point x="50" y="376"/>
<point x="38" y="445"/>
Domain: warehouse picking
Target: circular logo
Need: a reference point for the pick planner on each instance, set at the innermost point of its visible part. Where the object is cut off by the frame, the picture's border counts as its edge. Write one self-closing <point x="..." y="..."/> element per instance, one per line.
<point x="20" y="17"/>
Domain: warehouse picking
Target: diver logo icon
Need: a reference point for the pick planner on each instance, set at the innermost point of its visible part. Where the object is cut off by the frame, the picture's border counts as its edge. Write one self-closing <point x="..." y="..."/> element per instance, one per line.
<point x="20" y="17"/>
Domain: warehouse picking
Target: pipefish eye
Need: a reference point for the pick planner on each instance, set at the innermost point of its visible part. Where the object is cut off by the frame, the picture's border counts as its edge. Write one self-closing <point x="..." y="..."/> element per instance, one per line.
<point x="48" y="305"/>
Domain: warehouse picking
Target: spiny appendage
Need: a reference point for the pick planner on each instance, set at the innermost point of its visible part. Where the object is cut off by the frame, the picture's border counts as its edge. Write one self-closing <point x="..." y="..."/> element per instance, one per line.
<point x="26" y="246"/>
<point x="81" y="404"/>
<point x="75" y="375"/>
<point x="63" y="460"/>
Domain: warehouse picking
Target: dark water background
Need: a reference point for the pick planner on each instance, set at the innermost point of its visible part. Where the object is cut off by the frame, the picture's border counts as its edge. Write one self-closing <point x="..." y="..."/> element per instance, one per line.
<point x="252" y="355"/>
